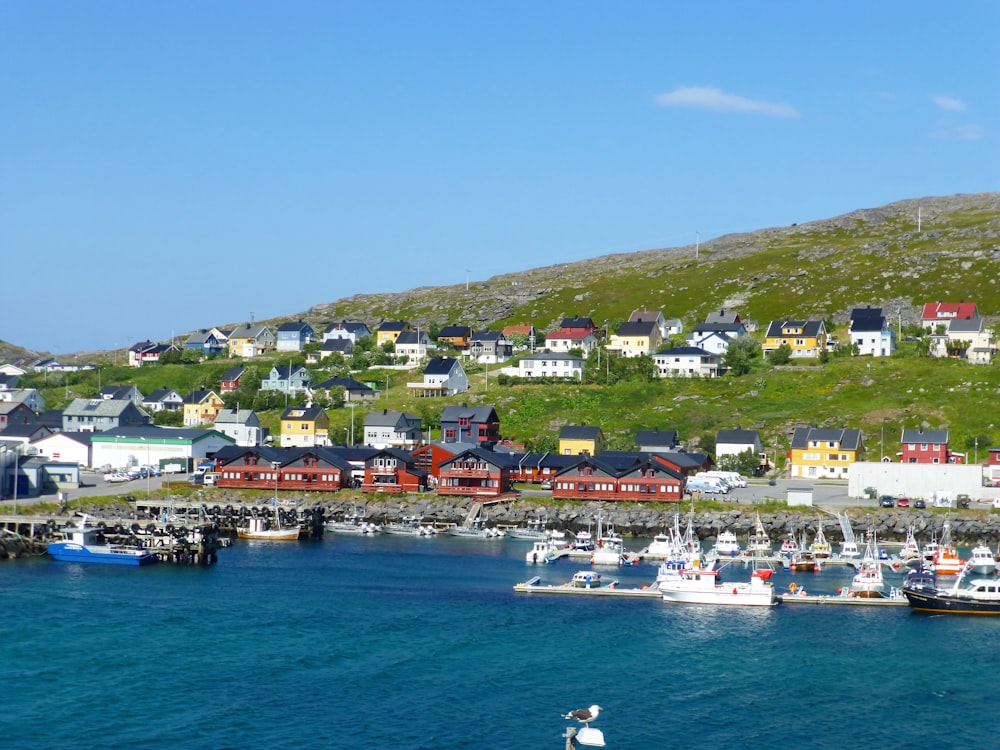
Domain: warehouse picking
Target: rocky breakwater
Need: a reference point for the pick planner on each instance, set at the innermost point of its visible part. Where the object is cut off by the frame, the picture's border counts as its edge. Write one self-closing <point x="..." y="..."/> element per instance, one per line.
<point x="968" y="527"/>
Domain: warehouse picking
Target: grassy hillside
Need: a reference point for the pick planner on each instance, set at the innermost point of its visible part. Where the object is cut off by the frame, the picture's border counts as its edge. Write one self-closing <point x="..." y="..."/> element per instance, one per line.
<point x="818" y="269"/>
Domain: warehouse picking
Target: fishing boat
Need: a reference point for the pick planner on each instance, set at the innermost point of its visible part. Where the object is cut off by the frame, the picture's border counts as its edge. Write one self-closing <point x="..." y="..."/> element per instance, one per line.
<point x="910" y="555"/>
<point x="408" y="526"/>
<point x="586" y="579"/>
<point x="260" y="527"/>
<point x="546" y="551"/>
<point x="86" y="544"/>
<point x="660" y="548"/>
<point x="789" y="546"/>
<point x="352" y="524"/>
<point x="849" y="549"/>
<point x="758" y="542"/>
<point x="977" y="597"/>
<point x="702" y="586"/>
<point x="820" y="548"/>
<point x="535" y="532"/>
<point x="726" y="545"/>
<point x="868" y="582"/>
<point x="945" y="560"/>
<point x="981" y="560"/>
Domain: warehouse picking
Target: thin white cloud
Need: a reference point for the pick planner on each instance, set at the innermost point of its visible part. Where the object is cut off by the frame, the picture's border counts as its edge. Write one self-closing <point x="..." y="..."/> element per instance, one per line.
<point x="949" y="103"/>
<point x="706" y="97"/>
<point x="958" y="133"/>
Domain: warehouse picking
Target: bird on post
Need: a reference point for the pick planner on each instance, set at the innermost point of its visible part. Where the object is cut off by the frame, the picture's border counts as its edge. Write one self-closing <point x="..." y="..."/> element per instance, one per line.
<point x="584" y="715"/>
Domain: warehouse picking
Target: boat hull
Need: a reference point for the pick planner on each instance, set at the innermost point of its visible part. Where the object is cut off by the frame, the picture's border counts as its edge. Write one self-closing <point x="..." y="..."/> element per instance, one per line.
<point x="931" y="601"/>
<point x="104" y="555"/>
<point x="275" y="535"/>
<point x="723" y="595"/>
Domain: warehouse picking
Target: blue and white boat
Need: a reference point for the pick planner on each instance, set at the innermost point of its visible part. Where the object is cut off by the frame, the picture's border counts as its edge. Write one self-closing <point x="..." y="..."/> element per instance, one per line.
<point x="84" y="544"/>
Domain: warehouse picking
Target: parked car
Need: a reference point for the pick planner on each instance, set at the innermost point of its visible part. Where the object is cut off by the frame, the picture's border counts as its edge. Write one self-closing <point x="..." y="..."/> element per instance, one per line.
<point x="546" y="484"/>
<point x="903" y="502"/>
<point x="918" y="503"/>
<point x="887" y="501"/>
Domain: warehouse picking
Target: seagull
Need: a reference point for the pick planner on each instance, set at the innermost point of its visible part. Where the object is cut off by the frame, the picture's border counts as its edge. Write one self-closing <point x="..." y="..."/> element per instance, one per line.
<point x="584" y="715"/>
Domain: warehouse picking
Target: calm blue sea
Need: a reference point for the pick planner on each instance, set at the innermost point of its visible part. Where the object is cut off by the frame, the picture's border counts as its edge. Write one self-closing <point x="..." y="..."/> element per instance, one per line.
<point x="393" y="642"/>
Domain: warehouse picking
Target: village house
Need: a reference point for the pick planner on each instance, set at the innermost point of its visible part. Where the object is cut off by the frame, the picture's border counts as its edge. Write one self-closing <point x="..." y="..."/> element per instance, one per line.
<point x="148" y="353"/>
<point x="393" y="429"/>
<point x="201" y="407"/>
<point x="294" y="336"/>
<point x="293" y="469"/>
<point x="927" y="447"/>
<point x="643" y="480"/>
<point x="121" y="393"/>
<point x="687" y="362"/>
<point x="413" y="346"/>
<point x="936" y="314"/>
<point x="250" y="340"/>
<point x="455" y="335"/>
<point x="305" y="427"/>
<point x="656" y="440"/>
<point x="230" y="380"/>
<point x="547" y="365"/>
<point x="469" y="424"/>
<point x="163" y="399"/>
<point x="581" y="439"/>
<point x="242" y="425"/>
<point x="391" y="470"/>
<point x="824" y="453"/>
<point x="443" y="376"/>
<point x="525" y="330"/>
<point x="352" y="330"/>
<point x="209" y="342"/>
<point x="489" y="347"/>
<point x="656" y="318"/>
<point x="98" y="415"/>
<point x="565" y="340"/>
<point x="634" y="339"/>
<point x="344" y="347"/>
<point x="870" y="332"/>
<point x="806" y="338"/>
<point x="476" y="473"/>
<point x="389" y="331"/>
<point x="962" y="338"/>
<point x="30" y="397"/>
<point x="353" y="389"/>
<point x="290" y="379"/>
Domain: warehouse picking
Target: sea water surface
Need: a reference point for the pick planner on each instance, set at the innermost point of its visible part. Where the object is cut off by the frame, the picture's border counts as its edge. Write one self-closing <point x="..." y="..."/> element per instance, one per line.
<point x="395" y="642"/>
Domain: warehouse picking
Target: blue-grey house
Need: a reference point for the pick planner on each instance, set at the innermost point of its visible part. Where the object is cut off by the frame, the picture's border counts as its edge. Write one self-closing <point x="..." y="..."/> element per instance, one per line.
<point x="293" y="337"/>
<point x="287" y="379"/>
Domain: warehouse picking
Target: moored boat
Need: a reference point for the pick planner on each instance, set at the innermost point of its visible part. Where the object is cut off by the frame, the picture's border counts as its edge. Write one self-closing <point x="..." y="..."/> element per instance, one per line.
<point x="820" y="548"/>
<point x="727" y="545"/>
<point x="868" y="581"/>
<point x="85" y="544"/>
<point x="977" y="597"/>
<point x="945" y="559"/>
<point x="981" y="560"/>
<point x="258" y="527"/>
<point x="701" y="586"/>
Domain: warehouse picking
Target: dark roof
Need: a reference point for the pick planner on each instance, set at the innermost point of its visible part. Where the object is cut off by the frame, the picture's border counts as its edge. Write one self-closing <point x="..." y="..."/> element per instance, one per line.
<point x="159" y="395"/>
<point x="233" y="373"/>
<point x="636" y="328"/>
<point x="478" y="414"/>
<point x="440" y="365"/>
<point x="686" y="351"/>
<point x="393" y="325"/>
<point x="847" y="439"/>
<point x="413" y="337"/>
<point x="23" y="430"/>
<point x="810" y="328"/>
<point x="865" y="319"/>
<point x="348" y="384"/>
<point x="577" y="323"/>
<point x="455" y="331"/>
<point x="302" y="412"/>
<point x="725" y="328"/>
<point x="937" y="437"/>
<point x="297" y="325"/>
<point x="345" y="346"/>
<point x="579" y="432"/>
<point x="738" y="436"/>
<point x="351" y="326"/>
<point x="656" y="436"/>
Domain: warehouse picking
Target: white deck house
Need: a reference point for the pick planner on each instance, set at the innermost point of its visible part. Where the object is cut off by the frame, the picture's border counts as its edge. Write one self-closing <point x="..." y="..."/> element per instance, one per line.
<point x="687" y="362"/>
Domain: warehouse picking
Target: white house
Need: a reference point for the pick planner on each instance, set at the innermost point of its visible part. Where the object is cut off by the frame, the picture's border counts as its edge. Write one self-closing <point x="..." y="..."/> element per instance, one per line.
<point x="735" y="442"/>
<point x="566" y="340"/>
<point x="687" y="362"/>
<point x="970" y="340"/>
<point x="242" y="425"/>
<point x="443" y="376"/>
<point x="393" y="429"/>
<point x="413" y="345"/>
<point x="547" y="365"/>
<point x="870" y="332"/>
<point x="30" y="397"/>
<point x="65" y="446"/>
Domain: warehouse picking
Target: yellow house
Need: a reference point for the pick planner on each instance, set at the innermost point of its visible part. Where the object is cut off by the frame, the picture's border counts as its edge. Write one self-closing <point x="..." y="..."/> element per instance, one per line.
<point x="580" y="439"/>
<point x="250" y="340"/>
<point x="389" y="331"/>
<point x="635" y="338"/>
<point x="824" y="453"/>
<point x="806" y="338"/>
<point x="202" y="407"/>
<point x="305" y="427"/>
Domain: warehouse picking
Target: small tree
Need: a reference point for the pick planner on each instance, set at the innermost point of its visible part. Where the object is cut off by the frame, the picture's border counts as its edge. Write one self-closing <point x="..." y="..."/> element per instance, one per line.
<point x="781" y="356"/>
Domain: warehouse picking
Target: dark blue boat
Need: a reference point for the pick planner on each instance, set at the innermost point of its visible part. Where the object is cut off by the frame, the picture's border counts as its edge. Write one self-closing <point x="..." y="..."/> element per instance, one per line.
<point x="977" y="597"/>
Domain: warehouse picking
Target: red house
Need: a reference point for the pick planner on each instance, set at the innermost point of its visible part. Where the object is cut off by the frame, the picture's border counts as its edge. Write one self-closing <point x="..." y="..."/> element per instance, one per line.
<point x="942" y="313"/>
<point x="301" y="469"/>
<point x="927" y="447"/>
<point x="230" y="381"/>
<point x="393" y="471"/>
<point x="476" y="473"/>
<point x="428" y="458"/>
<point x="646" y="480"/>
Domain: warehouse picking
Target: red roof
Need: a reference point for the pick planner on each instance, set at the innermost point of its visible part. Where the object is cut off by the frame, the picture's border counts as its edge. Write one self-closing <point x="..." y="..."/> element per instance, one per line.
<point x="565" y="334"/>
<point x="950" y="311"/>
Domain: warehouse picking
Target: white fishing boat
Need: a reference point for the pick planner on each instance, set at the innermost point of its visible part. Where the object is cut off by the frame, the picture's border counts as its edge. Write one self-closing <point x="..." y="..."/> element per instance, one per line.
<point x="727" y="545"/>
<point x="702" y="586"/>
<point x="265" y="528"/>
<point x="820" y="548"/>
<point x="408" y="526"/>
<point x="586" y="579"/>
<point x="758" y="542"/>
<point x="534" y="531"/>
<point x="849" y="548"/>
<point x="910" y="555"/>
<point x="352" y="524"/>
<point x="981" y="560"/>
<point x="476" y="530"/>
<point x="868" y="582"/>
<point x="546" y="551"/>
<point x="660" y="548"/>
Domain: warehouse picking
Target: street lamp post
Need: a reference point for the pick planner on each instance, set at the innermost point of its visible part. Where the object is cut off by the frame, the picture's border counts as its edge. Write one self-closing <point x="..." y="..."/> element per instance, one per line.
<point x="275" y="465"/>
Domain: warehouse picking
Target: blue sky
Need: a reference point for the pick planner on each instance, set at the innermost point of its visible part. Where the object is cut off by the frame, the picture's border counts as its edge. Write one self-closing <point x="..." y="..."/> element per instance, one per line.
<point x="166" y="166"/>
